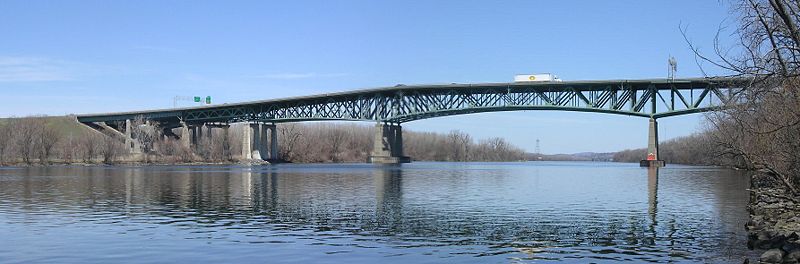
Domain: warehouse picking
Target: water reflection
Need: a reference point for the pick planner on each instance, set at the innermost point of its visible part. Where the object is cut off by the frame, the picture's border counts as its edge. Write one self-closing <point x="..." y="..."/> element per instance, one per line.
<point x="421" y="213"/>
<point x="652" y="201"/>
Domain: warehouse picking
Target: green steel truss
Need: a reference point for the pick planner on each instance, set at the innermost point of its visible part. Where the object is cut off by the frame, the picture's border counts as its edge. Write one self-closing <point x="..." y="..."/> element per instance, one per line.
<point x="645" y="98"/>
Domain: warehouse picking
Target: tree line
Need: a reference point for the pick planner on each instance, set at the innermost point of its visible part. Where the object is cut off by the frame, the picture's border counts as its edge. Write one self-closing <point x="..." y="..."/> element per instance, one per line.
<point x="696" y="149"/>
<point x="46" y="140"/>
<point x="338" y="142"/>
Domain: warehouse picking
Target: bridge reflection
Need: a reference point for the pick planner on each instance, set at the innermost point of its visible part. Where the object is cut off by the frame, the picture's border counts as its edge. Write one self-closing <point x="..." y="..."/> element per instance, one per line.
<point x="500" y="209"/>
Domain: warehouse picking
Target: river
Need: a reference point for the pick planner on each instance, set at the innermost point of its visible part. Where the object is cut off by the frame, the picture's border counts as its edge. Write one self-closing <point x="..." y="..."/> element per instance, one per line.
<point x="524" y="212"/>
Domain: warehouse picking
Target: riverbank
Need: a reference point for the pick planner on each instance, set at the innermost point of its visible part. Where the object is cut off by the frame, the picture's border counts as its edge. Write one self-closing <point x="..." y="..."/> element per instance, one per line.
<point x="774" y="223"/>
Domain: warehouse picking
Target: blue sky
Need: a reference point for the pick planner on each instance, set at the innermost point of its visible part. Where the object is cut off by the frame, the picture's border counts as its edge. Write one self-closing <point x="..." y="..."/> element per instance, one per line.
<point x="61" y="57"/>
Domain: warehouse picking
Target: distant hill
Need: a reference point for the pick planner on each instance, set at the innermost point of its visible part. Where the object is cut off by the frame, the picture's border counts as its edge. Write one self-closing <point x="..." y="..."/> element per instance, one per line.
<point x="583" y="156"/>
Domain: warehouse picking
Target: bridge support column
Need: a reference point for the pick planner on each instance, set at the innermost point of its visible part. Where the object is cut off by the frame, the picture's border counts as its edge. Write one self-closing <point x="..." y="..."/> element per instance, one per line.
<point x="652" y="147"/>
<point x="201" y="136"/>
<point x="387" y="147"/>
<point x="132" y="144"/>
<point x="257" y="141"/>
<point x="257" y="144"/>
<point x="195" y="131"/>
<point x="186" y="138"/>
<point x="247" y="146"/>
<point x="269" y="137"/>
<point x="209" y="132"/>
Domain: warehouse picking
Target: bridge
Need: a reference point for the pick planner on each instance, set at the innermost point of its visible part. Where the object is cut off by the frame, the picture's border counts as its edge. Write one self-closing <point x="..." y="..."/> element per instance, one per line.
<point x="389" y="107"/>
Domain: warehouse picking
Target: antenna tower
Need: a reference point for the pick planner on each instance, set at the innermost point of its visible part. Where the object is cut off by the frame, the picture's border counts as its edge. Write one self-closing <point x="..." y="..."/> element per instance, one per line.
<point x="673" y="68"/>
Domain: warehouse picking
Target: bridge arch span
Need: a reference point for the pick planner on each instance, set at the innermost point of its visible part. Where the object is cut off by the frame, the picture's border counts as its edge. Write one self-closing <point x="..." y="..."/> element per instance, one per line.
<point x="652" y="98"/>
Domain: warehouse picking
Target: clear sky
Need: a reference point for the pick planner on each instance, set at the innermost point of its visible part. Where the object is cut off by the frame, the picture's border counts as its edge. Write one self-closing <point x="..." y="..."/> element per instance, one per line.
<point x="61" y="57"/>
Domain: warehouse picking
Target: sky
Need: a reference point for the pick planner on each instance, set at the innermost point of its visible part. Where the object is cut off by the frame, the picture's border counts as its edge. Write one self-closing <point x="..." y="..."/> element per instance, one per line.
<point x="76" y="57"/>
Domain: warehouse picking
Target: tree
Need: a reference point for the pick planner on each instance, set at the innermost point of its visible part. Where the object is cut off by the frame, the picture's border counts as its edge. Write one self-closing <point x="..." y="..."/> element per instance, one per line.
<point x="89" y="145"/>
<point x="110" y="148"/>
<point x="459" y="145"/>
<point x="289" y="136"/>
<point x="48" y="138"/>
<point x="6" y="139"/>
<point x="335" y="138"/>
<point x="763" y="129"/>
<point x="27" y="140"/>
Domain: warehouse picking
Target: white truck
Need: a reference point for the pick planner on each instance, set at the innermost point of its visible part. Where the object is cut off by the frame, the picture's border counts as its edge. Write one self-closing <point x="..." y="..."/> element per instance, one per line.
<point x="539" y="77"/>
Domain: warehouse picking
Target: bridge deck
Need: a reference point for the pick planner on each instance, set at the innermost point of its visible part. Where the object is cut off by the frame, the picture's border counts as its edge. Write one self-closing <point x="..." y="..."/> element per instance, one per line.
<point x="401" y="103"/>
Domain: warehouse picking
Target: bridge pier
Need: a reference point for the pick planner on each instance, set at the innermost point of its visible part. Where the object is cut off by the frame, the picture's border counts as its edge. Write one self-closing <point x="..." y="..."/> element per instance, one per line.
<point x="197" y="134"/>
<point x="270" y="134"/>
<point x="652" y="147"/>
<point x="186" y="139"/>
<point x="259" y="142"/>
<point x="131" y="143"/>
<point x="387" y="147"/>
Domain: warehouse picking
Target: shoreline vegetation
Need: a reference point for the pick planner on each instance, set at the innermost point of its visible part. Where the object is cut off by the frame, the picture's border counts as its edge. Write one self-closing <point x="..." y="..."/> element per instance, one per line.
<point x="44" y="140"/>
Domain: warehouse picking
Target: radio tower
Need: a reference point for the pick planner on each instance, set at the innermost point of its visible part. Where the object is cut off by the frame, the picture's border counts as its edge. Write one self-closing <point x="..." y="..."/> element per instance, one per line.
<point x="538" y="150"/>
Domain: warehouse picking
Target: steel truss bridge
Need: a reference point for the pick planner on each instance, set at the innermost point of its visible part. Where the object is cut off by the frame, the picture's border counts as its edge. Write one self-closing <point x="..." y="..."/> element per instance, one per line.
<point x="651" y="98"/>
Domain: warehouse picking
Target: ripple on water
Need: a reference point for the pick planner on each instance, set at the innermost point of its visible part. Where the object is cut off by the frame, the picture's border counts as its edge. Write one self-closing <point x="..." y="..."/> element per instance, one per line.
<point x="422" y="212"/>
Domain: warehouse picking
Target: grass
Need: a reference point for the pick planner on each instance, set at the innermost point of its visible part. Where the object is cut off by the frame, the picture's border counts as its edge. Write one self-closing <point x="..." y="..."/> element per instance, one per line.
<point x="67" y="125"/>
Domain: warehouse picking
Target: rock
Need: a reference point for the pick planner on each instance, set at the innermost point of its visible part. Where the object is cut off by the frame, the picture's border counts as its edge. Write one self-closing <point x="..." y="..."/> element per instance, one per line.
<point x="766" y="234"/>
<point x="772" y="256"/>
<point x="790" y="247"/>
<point x="793" y="236"/>
<point x="756" y="222"/>
<point x="792" y="257"/>
<point x="767" y="239"/>
<point x="777" y="241"/>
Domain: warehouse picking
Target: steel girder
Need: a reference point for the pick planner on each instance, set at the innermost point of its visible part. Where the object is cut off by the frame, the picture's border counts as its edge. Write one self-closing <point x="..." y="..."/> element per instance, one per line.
<point x="399" y="104"/>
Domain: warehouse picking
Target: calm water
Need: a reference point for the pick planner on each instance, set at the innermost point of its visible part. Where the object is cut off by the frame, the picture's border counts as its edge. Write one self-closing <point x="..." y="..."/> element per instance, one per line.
<point x="420" y="212"/>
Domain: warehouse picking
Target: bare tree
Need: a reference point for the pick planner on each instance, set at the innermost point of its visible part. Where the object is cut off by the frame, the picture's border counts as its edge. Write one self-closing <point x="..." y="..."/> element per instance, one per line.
<point x="289" y="136"/>
<point x="459" y="145"/>
<point x="110" y="148"/>
<point x="335" y="138"/>
<point x="89" y="144"/>
<point x="222" y="145"/>
<point x="763" y="129"/>
<point x="6" y="139"/>
<point x="48" y="138"/>
<point x="68" y="148"/>
<point x="27" y="140"/>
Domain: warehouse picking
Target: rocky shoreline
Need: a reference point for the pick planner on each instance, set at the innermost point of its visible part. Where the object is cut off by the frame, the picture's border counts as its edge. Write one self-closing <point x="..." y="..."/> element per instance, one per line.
<point x="774" y="223"/>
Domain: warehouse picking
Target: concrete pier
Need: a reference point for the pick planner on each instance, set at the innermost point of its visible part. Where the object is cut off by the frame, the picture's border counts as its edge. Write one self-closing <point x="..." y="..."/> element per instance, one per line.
<point x="186" y="138"/>
<point x="259" y="142"/>
<point x="652" y="147"/>
<point x="270" y="134"/>
<point x="247" y="145"/>
<point x="387" y="147"/>
<point x="256" y="141"/>
<point x="133" y="145"/>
